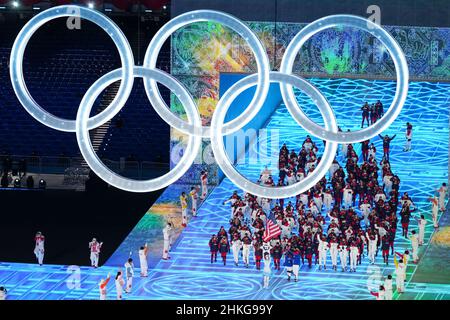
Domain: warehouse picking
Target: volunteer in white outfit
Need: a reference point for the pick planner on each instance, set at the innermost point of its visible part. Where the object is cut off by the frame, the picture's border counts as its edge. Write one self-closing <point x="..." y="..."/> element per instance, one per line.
<point x="143" y="252"/>
<point x="166" y="234"/>
<point x="388" y="288"/>
<point x="204" y="182"/>
<point x="95" y="247"/>
<point x="266" y="270"/>
<point x="102" y="287"/>
<point x="119" y="285"/>
<point x="3" y="293"/>
<point x="415" y="246"/>
<point x="442" y="193"/>
<point x="400" y="271"/>
<point x="422" y="223"/>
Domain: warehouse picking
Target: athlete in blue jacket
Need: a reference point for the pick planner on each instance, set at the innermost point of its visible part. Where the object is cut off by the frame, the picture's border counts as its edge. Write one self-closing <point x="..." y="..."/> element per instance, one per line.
<point x="288" y="261"/>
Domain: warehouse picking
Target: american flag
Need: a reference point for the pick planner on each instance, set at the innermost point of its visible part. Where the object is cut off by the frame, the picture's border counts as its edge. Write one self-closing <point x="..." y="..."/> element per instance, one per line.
<point x="272" y="231"/>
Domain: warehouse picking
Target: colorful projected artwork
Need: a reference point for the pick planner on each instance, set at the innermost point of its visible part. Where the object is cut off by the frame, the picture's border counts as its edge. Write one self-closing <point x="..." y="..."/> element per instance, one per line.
<point x="201" y="51"/>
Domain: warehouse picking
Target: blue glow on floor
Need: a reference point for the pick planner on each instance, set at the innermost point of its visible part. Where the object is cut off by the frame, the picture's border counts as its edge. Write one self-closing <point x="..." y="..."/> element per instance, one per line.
<point x="189" y="274"/>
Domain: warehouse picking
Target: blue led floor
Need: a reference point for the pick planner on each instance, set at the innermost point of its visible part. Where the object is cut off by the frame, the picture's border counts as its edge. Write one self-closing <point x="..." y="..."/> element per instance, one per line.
<point x="190" y="275"/>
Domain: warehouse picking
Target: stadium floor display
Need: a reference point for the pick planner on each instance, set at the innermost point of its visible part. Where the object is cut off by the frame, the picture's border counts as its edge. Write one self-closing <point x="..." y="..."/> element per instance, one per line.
<point x="189" y="273"/>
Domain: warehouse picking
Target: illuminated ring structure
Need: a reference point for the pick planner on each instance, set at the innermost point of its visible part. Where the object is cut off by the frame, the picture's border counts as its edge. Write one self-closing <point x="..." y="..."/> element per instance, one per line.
<point x="262" y="62"/>
<point x="229" y="170"/>
<point x="193" y="127"/>
<point x="107" y="174"/>
<point x="396" y="54"/>
<point x="16" y="66"/>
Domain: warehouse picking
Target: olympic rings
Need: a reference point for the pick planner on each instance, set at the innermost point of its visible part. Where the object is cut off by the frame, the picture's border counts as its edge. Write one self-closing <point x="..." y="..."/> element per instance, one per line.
<point x="193" y="127"/>
<point x="108" y="175"/>
<point x="16" y="68"/>
<point x="397" y="56"/>
<point x="262" y="61"/>
<point x="220" y="154"/>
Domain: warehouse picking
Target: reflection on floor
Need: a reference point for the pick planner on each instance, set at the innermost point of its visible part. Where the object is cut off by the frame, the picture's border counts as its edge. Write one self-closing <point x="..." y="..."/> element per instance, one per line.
<point x="189" y="273"/>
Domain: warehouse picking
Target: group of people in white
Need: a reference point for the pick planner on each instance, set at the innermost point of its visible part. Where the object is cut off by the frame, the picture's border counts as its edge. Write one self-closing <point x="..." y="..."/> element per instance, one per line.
<point x="126" y="285"/>
<point x="303" y="233"/>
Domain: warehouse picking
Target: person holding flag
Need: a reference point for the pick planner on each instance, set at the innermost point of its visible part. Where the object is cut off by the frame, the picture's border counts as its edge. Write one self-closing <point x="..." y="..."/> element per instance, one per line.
<point x="272" y="231"/>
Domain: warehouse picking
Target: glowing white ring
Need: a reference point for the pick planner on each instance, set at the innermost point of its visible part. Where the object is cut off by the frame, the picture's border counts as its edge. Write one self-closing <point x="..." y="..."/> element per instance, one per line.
<point x="104" y="172"/>
<point x="16" y="67"/>
<point x="233" y="23"/>
<point x="223" y="161"/>
<point x="397" y="56"/>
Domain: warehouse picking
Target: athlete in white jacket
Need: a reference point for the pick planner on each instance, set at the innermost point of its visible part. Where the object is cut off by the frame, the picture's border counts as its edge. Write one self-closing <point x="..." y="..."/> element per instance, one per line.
<point x="323" y="248"/>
